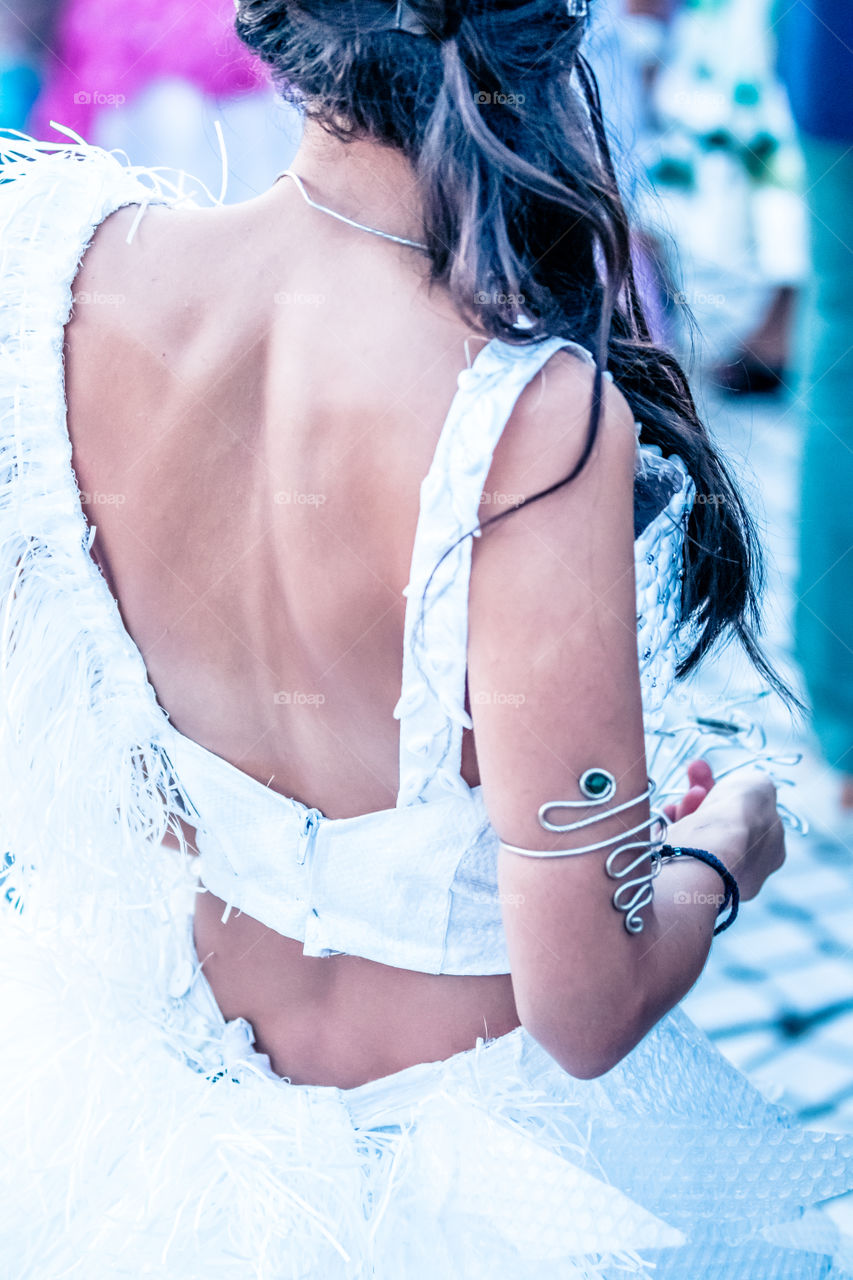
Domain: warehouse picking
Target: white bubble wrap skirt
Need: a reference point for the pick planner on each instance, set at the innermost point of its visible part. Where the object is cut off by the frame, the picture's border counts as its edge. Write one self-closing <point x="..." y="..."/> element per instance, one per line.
<point x="133" y="1145"/>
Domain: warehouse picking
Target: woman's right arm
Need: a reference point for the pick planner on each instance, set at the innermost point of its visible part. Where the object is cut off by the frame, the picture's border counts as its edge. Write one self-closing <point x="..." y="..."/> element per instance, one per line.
<point x="554" y="689"/>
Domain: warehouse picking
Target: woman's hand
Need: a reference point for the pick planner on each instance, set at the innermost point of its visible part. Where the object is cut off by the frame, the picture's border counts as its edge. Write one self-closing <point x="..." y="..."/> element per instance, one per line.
<point x="736" y="820"/>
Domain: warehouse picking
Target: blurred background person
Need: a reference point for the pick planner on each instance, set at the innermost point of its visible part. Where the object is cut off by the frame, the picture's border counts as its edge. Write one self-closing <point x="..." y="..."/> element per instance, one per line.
<point x="706" y="155"/>
<point x="154" y="83"/>
<point x="816" y="61"/>
<point x="726" y="176"/>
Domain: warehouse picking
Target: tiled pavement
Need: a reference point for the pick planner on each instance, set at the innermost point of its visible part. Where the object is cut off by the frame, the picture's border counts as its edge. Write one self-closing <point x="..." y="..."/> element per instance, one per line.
<point x="777" y="993"/>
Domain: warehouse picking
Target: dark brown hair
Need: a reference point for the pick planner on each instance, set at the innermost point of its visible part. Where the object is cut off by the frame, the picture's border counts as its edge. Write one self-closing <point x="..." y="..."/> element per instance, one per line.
<point x="498" y="113"/>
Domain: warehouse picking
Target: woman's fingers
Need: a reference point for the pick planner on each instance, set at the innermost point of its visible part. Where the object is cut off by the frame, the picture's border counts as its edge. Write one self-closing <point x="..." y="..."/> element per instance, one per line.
<point x="699" y="774"/>
<point x="700" y="780"/>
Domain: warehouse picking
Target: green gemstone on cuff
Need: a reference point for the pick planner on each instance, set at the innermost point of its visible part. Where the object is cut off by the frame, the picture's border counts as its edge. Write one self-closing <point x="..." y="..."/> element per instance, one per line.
<point x="597" y="784"/>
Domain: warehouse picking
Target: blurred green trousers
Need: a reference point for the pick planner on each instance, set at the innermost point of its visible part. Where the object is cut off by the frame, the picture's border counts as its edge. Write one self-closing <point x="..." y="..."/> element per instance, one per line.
<point x="823" y="621"/>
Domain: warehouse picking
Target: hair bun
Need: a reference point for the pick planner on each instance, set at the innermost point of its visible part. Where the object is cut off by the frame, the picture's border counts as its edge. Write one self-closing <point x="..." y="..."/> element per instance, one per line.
<point x="440" y="21"/>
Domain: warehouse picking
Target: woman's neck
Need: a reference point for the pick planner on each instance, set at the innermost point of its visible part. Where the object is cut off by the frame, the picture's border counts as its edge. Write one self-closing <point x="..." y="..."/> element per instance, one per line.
<point x="368" y="181"/>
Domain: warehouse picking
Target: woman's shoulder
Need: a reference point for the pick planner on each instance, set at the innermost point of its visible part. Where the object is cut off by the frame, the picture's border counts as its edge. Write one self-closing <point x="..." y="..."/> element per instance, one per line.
<point x="54" y="197"/>
<point x="547" y="431"/>
<point x="80" y="225"/>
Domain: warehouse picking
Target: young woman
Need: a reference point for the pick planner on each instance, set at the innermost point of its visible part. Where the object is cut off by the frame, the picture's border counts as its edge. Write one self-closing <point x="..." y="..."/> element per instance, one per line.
<point x="295" y="990"/>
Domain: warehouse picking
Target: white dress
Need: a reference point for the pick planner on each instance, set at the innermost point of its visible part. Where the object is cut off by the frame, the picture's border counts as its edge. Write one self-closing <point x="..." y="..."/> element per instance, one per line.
<point x="142" y="1134"/>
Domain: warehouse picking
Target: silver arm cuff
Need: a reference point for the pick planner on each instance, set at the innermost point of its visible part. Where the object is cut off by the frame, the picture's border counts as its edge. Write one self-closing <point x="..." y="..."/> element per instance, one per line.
<point x="635" y="890"/>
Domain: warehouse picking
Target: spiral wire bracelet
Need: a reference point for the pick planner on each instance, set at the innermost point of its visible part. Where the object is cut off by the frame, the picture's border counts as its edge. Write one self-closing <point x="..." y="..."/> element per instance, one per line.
<point x="636" y="888"/>
<point x="729" y="731"/>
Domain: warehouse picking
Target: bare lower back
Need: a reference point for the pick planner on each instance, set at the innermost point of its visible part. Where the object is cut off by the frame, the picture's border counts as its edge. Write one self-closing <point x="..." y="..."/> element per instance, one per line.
<point x="341" y="1020"/>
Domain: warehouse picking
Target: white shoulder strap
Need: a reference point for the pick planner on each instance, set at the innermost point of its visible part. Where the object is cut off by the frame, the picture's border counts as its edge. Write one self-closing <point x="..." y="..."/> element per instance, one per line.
<point x="431" y="709"/>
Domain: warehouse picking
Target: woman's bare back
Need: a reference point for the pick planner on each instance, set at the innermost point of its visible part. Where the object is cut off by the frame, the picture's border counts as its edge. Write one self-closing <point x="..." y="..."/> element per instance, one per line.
<point x="254" y="400"/>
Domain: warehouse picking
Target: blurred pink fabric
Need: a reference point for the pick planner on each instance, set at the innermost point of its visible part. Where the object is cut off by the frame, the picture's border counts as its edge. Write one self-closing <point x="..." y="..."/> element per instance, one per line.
<point x="106" y="53"/>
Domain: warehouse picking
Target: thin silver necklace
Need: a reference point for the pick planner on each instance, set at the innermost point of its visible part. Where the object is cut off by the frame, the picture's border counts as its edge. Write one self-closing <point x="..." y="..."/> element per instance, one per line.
<point x="412" y="244"/>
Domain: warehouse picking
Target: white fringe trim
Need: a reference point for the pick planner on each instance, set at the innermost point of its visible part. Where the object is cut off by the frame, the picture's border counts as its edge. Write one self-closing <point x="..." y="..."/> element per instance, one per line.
<point x="87" y="797"/>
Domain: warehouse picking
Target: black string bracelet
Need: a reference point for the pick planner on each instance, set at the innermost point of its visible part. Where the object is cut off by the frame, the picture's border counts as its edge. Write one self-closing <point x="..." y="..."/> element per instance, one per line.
<point x="731" y="900"/>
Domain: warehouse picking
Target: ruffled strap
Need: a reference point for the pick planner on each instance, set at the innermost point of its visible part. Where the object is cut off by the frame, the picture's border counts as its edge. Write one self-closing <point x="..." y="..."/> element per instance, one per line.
<point x="658" y="575"/>
<point x="431" y="708"/>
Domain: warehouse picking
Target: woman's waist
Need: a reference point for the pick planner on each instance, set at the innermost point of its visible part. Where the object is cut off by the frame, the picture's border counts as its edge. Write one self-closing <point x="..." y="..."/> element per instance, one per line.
<point x="341" y="1020"/>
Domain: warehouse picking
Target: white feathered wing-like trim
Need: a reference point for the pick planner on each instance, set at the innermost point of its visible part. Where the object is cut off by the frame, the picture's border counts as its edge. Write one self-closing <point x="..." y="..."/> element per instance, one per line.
<point x="88" y="796"/>
<point x="120" y="1154"/>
